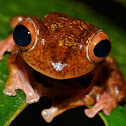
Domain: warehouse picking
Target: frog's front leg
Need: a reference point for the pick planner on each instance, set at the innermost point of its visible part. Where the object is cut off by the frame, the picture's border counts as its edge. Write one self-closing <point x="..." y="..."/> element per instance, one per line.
<point x="80" y="98"/>
<point x="109" y="89"/>
<point x="114" y="90"/>
<point x="6" y="45"/>
<point x="19" y="78"/>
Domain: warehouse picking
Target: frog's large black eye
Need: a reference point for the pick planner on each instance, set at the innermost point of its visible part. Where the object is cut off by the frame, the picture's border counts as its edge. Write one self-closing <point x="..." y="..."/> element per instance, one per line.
<point x="99" y="47"/>
<point x="102" y="48"/>
<point x="22" y="36"/>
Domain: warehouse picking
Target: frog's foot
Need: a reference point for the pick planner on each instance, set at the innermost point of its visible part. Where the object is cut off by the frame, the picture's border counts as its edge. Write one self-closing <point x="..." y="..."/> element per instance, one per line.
<point x="105" y="102"/>
<point x="6" y="45"/>
<point x="20" y="77"/>
<point x="9" y="92"/>
<point x="49" y="114"/>
<point x="34" y="95"/>
<point x="78" y="99"/>
<point x="21" y="81"/>
<point x="32" y="98"/>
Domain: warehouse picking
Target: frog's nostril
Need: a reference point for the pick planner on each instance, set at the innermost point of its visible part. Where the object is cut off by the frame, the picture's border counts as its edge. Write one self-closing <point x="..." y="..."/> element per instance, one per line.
<point x="102" y="48"/>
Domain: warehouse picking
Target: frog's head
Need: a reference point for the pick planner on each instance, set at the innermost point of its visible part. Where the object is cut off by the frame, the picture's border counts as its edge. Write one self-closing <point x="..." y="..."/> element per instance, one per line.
<point x="54" y="55"/>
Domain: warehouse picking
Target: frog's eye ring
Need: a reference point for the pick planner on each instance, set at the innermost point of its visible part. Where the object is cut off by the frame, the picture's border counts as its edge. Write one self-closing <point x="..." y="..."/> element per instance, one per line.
<point x="24" y="35"/>
<point x="99" y="47"/>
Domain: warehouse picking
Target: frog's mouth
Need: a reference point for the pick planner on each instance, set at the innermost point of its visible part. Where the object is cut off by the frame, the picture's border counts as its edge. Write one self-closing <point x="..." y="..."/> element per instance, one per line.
<point x="47" y="81"/>
<point x="99" y="47"/>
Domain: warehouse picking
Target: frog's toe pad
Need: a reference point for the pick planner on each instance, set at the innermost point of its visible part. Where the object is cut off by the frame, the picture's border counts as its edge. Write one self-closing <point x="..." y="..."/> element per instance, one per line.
<point x="105" y="102"/>
<point x="32" y="98"/>
<point x="9" y="92"/>
<point x="49" y="114"/>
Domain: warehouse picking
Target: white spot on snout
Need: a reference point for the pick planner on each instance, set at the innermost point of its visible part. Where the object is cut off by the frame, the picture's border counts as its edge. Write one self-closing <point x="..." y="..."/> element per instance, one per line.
<point x="58" y="66"/>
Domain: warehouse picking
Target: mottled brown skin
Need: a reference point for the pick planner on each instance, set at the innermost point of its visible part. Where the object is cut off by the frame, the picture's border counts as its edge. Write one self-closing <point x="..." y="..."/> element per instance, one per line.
<point x="65" y="43"/>
<point x="62" y="48"/>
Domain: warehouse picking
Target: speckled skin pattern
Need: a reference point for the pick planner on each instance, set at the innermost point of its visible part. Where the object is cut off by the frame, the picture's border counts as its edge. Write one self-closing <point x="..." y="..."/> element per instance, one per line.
<point x="62" y="48"/>
<point x="62" y="44"/>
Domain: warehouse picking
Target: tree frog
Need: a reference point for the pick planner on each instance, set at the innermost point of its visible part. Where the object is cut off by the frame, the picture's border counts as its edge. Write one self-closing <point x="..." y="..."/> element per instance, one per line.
<point x="68" y="54"/>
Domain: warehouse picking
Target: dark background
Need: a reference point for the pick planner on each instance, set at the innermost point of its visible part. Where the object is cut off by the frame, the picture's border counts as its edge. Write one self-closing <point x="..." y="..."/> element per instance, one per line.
<point x="31" y="116"/>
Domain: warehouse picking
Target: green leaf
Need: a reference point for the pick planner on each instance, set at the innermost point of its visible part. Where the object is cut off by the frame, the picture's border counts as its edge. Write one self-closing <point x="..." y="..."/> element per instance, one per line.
<point x="10" y="107"/>
<point x="117" y="117"/>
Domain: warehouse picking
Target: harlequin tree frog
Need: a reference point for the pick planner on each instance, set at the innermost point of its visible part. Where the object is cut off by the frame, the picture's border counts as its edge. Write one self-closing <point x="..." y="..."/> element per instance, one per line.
<point x="62" y="48"/>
